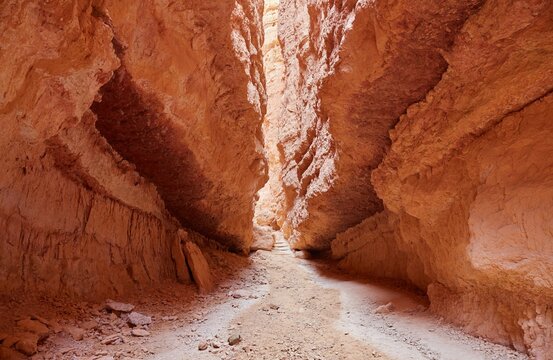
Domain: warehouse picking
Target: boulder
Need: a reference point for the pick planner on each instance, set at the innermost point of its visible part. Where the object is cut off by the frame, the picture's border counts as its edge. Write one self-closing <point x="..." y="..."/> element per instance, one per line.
<point x="76" y="333"/>
<point x="198" y="266"/>
<point x="263" y="238"/>
<point x="28" y="344"/>
<point x="138" y="319"/>
<point x="118" y="306"/>
<point x="34" y="327"/>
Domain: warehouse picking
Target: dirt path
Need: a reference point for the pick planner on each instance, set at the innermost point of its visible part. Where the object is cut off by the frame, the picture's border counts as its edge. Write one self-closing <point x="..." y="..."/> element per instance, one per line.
<point x="282" y="307"/>
<point x="306" y="311"/>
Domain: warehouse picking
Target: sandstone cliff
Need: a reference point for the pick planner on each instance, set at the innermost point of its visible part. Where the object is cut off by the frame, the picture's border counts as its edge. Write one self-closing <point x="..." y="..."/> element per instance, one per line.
<point x="456" y="199"/>
<point x="352" y="68"/>
<point x="268" y="210"/>
<point x="120" y="120"/>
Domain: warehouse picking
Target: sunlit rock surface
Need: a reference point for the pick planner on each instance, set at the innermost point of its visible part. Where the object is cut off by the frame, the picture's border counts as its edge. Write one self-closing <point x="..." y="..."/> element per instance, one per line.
<point x="123" y="121"/>
<point x="467" y="184"/>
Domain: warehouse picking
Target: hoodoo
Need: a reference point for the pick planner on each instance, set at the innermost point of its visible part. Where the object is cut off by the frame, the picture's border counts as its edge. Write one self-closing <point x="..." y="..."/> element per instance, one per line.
<point x="149" y="146"/>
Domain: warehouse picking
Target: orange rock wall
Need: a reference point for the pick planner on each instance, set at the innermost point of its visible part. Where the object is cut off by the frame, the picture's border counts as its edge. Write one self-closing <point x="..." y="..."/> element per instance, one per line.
<point x="268" y="210"/>
<point x="474" y="199"/>
<point x="88" y="211"/>
<point x="456" y="198"/>
<point x="352" y="68"/>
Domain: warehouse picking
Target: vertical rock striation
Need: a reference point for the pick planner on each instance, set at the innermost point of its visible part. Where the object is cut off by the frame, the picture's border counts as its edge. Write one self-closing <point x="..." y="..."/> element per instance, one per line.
<point x="122" y="121"/>
<point x="352" y="68"/>
<point x="186" y="106"/>
<point x="466" y="184"/>
<point x="268" y="211"/>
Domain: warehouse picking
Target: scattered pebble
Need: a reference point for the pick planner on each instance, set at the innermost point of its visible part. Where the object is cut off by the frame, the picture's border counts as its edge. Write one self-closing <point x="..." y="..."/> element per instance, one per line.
<point x="234" y="339"/>
<point x="76" y="333"/>
<point x="384" y="309"/>
<point x="113" y="340"/>
<point x="27" y="344"/>
<point x="119" y="307"/>
<point x="202" y="345"/>
<point x="138" y="319"/>
<point x="140" y="332"/>
<point x="89" y="325"/>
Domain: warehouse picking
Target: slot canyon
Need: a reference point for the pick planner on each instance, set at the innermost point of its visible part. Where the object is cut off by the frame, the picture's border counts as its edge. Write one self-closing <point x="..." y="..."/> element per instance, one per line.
<point x="277" y="179"/>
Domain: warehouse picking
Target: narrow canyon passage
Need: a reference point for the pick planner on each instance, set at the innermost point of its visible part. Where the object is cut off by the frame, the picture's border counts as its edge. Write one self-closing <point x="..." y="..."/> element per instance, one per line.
<point x="281" y="306"/>
<point x="289" y="179"/>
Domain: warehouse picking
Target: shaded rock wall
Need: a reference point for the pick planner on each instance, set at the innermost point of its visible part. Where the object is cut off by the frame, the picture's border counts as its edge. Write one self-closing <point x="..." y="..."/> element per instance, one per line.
<point x="352" y="68"/>
<point x="186" y="107"/>
<point x="269" y="207"/>
<point x="112" y="112"/>
<point x="466" y="184"/>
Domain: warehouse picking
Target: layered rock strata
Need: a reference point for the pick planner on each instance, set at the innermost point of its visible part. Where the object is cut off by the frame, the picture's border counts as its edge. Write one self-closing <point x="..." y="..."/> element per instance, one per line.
<point x="467" y="184"/>
<point x="122" y="121"/>
<point x="352" y="68"/>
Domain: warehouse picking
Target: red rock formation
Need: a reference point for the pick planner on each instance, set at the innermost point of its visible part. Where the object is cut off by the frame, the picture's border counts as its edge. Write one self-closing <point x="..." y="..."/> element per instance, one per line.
<point x="352" y="68"/>
<point x="467" y="184"/>
<point x="193" y="128"/>
<point x="269" y="211"/>
<point x="177" y="97"/>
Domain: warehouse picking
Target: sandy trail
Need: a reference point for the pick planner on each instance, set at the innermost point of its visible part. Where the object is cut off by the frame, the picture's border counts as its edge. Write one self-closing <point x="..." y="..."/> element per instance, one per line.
<point x="307" y="311"/>
<point x="282" y="307"/>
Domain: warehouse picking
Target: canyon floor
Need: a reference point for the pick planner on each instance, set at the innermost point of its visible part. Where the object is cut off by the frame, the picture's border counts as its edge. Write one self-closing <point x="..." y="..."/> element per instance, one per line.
<point x="281" y="306"/>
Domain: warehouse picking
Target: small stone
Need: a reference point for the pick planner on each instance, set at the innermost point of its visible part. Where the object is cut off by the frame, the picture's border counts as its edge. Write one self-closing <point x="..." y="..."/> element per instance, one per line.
<point x="27" y="344"/>
<point x="169" y="318"/>
<point x="237" y="294"/>
<point x="202" y="345"/>
<point x="76" y="333"/>
<point x="274" y="307"/>
<point x="198" y="266"/>
<point x="119" y="307"/>
<point x="384" y="309"/>
<point x="139" y="332"/>
<point x="138" y="319"/>
<point x="34" y="327"/>
<point x="300" y="254"/>
<point x="89" y="325"/>
<point x="112" y="340"/>
<point x="234" y="339"/>
<point x="215" y="345"/>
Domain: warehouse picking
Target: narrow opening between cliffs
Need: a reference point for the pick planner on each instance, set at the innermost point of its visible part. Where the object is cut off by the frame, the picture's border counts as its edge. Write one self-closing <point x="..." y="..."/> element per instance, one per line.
<point x="406" y="212"/>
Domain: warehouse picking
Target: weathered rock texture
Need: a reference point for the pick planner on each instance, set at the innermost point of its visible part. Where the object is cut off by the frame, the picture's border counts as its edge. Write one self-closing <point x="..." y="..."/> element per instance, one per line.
<point x="269" y="208"/>
<point x="352" y="68"/>
<point x="112" y="113"/>
<point x="467" y="184"/>
<point x="193" y="128"/>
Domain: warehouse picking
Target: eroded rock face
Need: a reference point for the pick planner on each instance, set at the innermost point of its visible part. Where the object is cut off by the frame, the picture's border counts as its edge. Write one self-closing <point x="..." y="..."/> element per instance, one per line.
<point x="186" y="106"/>
<point x="112" y="113"/>
<point x="269" y="208"/>
<point x="352" y="68"/>
<point x="467" y="184"/>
